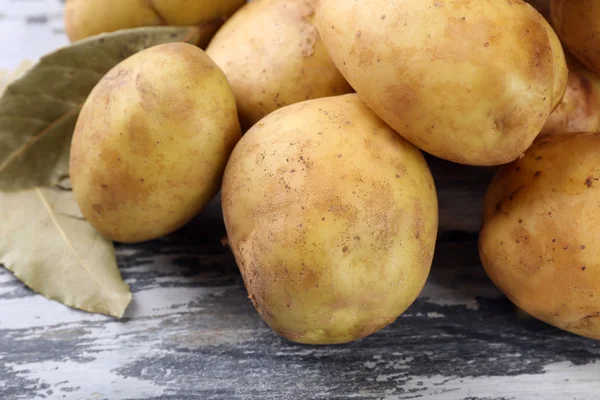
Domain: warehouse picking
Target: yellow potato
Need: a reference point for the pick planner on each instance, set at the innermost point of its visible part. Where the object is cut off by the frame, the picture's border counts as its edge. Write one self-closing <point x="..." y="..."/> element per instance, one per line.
<point x="273" y="57"/>
<point x="577" y="23"/>
<point x="193" y="12"/>
<point x="85" y="18"/>
<point x="332" y="218"/>
<point x="152" y="141"/>
<point x="469" y="81"/>
<point x="540" y="238"/>
<point x="580" y="108"/>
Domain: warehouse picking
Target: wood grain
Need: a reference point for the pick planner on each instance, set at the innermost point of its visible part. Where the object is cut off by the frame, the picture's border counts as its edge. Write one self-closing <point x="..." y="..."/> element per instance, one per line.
<point x="192" y="334"/>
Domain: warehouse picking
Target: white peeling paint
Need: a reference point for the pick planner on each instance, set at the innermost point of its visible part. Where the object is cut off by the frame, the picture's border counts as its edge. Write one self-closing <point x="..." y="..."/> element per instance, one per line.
<point x="559" y="381"/>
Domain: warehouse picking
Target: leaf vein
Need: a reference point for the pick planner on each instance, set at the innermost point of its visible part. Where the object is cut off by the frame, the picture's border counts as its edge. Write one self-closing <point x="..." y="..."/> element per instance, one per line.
<point x="32" y="119"/>
<point x="49" y="65"/>
<point x="63" y="234"/>
<point x="33" y="140"/>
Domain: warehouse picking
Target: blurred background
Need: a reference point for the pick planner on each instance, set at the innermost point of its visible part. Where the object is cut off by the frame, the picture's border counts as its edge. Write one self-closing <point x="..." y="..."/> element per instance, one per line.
<point x="28" y="29"/>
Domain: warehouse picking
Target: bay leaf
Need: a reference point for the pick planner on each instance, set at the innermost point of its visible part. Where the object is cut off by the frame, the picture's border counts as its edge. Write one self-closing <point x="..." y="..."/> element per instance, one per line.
<point x="49" y="246"/>
<point x="38" y="111"/>
<point x="7" y="77"/>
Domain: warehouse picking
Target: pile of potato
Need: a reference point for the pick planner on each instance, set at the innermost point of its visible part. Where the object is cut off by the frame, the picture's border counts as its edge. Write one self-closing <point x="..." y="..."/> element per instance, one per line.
<point x="310" y="116"/>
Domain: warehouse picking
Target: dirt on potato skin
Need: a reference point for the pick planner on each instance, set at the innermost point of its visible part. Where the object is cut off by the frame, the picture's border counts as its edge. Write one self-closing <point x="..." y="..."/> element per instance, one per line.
<point x="540" y="233"/>
<point x="146" y="159"/>
<point x="579" y="110"/>
<point x="273" y="56"/>
<point x="578" y="26"/>
<point x="464" y="64"/>
<point x="332" y="223"/>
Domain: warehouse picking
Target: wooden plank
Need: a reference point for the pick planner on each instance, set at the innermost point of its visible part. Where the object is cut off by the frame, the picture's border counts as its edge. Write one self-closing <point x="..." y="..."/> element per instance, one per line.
<point x="191" y="333"/>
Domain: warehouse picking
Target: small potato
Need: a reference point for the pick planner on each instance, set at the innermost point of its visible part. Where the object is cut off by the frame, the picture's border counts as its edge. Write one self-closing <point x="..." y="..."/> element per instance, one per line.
<point x="152" y="141"/>
<point x="577" y="23"/>
<point x="85" y="18"/>
<point x="580" y="108"/>
<point x="472" y="82"/>
<point x="273" y="56"/>
<point x="540" y="238"/>
<point x="332" y="218"/>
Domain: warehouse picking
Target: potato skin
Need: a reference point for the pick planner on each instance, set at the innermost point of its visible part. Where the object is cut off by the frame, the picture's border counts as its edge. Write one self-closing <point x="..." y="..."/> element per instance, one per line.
<point x="543" y="6"/>
<point x="540" y="238"/>
<point x="152" y="141"/>
<point x="332" y="218"/>
<point x="273" y="56"/>
<point x="579" y="110"/>
<point x="448" y="75"/>
<point x="577" y="23"/>
<point x="85" y="18"/>
<point x="194" y="12"/>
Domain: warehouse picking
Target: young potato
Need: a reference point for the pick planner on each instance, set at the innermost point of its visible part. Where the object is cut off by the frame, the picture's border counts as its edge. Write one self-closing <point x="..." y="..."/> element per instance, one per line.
<point x="273" y="57"/>
<point x="580" y="108"/>
<point x="152" y="141"/>
<point x="540" y="238"/>
<point x="332" y="218"/>
<point x="577" y="23"/>
<point x="85" y="18"/>
<point x="469" y="81"/>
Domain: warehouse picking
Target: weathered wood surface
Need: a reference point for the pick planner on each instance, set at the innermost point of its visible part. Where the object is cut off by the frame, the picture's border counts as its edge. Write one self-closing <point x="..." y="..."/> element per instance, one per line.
<point x="191" y="333"/>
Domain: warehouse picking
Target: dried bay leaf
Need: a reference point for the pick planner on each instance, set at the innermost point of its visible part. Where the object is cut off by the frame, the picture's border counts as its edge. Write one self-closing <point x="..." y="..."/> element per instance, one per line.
<point x="7" y="77"/>
<point x="38" y="112"/>
<point x="48" y="245"/>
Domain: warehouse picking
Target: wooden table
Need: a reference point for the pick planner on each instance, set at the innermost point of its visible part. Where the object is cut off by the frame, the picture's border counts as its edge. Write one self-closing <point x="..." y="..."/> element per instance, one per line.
<point x="191" y="332"/>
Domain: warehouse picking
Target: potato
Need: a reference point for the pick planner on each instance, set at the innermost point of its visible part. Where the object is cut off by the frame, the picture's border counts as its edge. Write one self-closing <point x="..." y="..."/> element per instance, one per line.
<point x="332" y="218"/>
<point x="273" y="57"/>
<point x="577" y="23"/>
<point x="540" y="238"/>
<point x="469" y="81"/>
<point x="580" y="108"/>
<point x="152" y="141"/>
<point x="543" y="6"/>
<point x="85" y="18"/>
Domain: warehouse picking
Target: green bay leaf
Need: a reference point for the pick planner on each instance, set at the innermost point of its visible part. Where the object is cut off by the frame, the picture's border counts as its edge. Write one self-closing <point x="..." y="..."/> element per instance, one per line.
<point x="39" y="110"/>
<point x="48" y="245"/>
